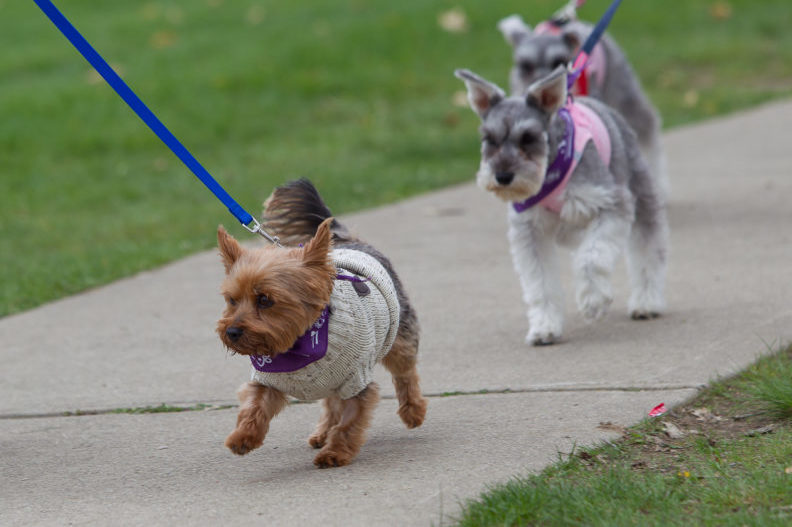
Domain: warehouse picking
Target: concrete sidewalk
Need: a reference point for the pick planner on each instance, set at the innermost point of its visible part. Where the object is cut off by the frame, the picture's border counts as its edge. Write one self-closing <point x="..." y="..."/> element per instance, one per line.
<point x="498" y="407"/>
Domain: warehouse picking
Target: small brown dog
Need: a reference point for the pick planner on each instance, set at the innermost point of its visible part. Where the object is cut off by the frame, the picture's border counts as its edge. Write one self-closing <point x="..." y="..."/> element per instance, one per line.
<point x="314" y="320"/>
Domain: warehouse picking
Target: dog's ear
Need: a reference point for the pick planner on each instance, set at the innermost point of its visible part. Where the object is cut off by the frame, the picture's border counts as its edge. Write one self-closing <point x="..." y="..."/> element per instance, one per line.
<point x="549" y="93"/>
<point x="230" y="250"/>
<point x="316" y="251"/>
<point x="514" y="29"/>
<point x="482" y="94"/>
<point x="572" y="39"/>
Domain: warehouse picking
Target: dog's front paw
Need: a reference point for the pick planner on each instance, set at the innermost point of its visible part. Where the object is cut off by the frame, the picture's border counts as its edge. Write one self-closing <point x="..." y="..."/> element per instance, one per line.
<point x="643" y="314"/>
<point x="331" y="458"/>
<point x="541" y="338"/>
<point x="644" y="306"/>
<point x="544" y="329"/>
<point x="241" y="441"/>
<point x="318" y="439"/>
<point x="593" y="302"/>
<point x="413" y="412"/>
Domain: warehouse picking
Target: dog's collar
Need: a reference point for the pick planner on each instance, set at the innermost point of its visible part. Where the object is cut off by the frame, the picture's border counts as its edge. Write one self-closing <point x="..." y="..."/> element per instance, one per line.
<point x="558" y="170"/>
<point x="309" y="348"/>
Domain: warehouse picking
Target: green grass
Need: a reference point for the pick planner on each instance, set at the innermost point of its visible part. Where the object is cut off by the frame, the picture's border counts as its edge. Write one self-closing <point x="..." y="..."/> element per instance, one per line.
<point x="727" y="470"/>
<point x="770" y="381"/>
<point x="356" y="95"/>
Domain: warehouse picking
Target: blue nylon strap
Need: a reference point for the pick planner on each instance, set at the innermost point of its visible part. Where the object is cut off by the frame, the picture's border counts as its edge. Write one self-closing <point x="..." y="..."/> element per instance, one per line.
<point x="599" y="29"/>
<point x="134" y="102"/>
<point x="591" y="41"/>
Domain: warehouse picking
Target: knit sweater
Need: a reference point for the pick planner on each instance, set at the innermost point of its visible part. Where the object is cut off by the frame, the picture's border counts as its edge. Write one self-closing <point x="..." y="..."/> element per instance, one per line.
<point x="361" y="331"/>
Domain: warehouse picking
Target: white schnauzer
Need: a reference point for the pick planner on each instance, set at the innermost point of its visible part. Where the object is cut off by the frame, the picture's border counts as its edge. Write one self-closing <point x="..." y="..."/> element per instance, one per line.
<point x="573" y="174"/>
<point x="607" y="76"/>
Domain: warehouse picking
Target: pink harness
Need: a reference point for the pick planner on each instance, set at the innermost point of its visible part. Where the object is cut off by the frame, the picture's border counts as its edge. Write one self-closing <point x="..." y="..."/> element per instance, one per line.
<point x="595" y="66"/>
<point x="587" y="127"/>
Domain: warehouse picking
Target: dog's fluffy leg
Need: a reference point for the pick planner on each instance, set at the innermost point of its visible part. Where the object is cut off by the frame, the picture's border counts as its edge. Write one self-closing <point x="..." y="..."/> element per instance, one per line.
<point x="647" y="256"/>
<point x="653" y="152"/>
<point x="331" y="415"/>
<point x="348" y="435"/>
<point x="603" y="241"/>
<point x="401" y="363"/>
<point x="259" y="404"/>
<point x="535" y="260"/>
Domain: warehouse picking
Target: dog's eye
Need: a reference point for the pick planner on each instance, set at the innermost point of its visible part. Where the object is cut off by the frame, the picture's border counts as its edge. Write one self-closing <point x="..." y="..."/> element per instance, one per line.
<point x="488" y="140"/>
<point x="527" y="68"/>
<point x="231" y="301"/>
<point x="527" y="139"/>
<point x="263" y="301"/>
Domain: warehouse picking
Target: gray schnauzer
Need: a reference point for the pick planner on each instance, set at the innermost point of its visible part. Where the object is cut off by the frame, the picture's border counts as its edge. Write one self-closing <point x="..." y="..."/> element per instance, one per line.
<point x="608" y="75"/>
<point x="579" y="182"/>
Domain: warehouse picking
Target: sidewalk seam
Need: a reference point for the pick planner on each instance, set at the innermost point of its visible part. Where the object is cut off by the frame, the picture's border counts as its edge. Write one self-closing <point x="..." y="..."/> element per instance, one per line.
<point x="206" y="407"/>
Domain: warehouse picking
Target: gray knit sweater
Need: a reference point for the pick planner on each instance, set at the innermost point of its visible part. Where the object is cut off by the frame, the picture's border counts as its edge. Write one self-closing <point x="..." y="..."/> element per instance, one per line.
<point x="361" y="332"/>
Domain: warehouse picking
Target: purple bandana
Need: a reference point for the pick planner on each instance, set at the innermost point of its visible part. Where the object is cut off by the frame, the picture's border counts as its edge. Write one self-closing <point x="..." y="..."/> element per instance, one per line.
<point x="309" y="348"/>
<point x="559" y="167"/>
<point x="312" y="346"/>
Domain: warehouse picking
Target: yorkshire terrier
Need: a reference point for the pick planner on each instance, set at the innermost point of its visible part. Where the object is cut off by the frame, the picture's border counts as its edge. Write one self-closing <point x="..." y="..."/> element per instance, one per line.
<point x="314" y="317"/>
<point x="607" y="76"/>
<point x="573" y="174"/>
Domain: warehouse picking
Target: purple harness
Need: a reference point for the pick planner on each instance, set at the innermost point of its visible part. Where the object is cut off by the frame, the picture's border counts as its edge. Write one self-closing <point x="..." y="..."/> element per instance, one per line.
<point x="582" y="125"/>
<point x="311" y="346"/>
<point x="558" y="169"/>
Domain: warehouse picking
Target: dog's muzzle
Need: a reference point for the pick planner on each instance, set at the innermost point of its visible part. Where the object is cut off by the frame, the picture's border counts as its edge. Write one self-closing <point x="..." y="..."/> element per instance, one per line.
<point x="504" y="178"/>
<point x="233" y="333"/>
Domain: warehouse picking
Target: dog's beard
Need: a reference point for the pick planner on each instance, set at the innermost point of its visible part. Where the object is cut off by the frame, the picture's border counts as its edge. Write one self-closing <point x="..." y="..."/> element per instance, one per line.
<point x="523" y="186"/>
<point x="252" y="342"/>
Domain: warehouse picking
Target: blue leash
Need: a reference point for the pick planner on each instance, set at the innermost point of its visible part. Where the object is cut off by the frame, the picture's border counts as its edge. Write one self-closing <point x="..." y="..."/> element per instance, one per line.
<point x="591" y="41"/>
<point x="148" y="117"/>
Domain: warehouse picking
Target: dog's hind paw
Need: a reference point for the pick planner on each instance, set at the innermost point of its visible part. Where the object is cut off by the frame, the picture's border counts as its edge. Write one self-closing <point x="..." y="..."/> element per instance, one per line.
<point x="594" y="303"/>
<point x="328" y="458"/>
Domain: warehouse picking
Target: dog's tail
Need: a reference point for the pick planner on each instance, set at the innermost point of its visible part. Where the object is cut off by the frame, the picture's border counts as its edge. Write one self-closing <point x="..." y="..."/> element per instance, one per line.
<point x="295" y="210"/>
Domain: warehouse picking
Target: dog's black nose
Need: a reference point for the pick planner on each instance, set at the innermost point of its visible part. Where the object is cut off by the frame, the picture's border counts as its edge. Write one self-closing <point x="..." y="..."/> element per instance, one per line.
<point x="234" y="333"/>
<point x="504" y="178"/>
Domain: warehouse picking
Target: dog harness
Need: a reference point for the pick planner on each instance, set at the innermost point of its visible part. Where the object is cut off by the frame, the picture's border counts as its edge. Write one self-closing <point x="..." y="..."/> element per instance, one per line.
<point x="338" y="352"/>
<point x="597" y="61"/>
<point x="582" y="125"/>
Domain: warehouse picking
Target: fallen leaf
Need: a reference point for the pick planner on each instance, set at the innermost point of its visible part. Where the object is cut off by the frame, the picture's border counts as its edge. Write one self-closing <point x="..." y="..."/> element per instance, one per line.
<point x="691" y="98"/>
<point x="607" y="425"/>
<point x="162" y="39"/>
<point x="454" y="20"/>
<point x="254" y="15"/>
<point x="673" y="430"/>
<point x="760" y="431"/>
<point x="720" y="10"/>
<point x="460" y="99"/>
<point x="93" y="77"/>
<point x="704" y="414"/>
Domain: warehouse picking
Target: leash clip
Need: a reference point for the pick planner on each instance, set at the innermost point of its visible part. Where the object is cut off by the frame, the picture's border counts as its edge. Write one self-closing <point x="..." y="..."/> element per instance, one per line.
<point x="256" y="229"/>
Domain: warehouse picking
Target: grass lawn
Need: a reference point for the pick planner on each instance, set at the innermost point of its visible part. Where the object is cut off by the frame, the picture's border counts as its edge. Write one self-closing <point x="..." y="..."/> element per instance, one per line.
<point x="356" y="95"/>
<point x="724" y="458"/>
